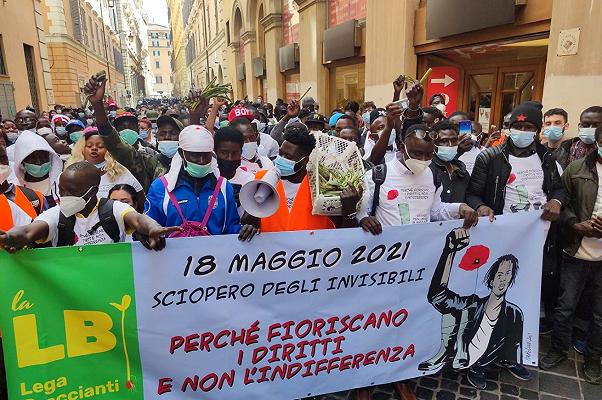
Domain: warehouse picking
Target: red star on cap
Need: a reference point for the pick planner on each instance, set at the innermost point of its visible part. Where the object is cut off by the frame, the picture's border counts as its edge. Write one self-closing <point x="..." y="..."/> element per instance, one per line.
<point x="521" y="118"/>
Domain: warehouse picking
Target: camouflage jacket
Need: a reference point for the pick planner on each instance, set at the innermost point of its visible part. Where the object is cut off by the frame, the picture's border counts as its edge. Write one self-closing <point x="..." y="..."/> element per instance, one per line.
<point x="145" y="167"/>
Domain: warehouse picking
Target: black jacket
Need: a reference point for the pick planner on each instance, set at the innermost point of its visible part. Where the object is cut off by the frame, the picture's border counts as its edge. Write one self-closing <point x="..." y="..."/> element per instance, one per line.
<point x="581" y="183"/>
<point x="492" y="170"/>
<point x="455" y="186"/>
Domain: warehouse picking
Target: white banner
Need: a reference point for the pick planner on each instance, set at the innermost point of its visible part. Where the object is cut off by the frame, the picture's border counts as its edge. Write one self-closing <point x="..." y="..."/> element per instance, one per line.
<point x="298" y="314"/>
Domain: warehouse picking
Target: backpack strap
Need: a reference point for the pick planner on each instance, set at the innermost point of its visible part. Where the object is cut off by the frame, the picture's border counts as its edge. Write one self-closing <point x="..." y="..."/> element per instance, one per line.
<point x="107" y="219"/>
<point x="65" y="230"/>
<point x="216" y="191"/>
<point x="173" y="199"/>
<point x="33" y="198"/>
<point x="379" y="173"/>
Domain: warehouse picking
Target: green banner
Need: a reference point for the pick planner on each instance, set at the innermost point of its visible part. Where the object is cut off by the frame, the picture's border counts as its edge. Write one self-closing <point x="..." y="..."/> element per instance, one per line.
<point x="65" y="308"/>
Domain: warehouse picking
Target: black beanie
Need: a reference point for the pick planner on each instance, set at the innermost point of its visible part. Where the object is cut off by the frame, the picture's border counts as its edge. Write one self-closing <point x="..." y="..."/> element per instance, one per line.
<point x="379" y="112"/>
<point x="528" y="111"/>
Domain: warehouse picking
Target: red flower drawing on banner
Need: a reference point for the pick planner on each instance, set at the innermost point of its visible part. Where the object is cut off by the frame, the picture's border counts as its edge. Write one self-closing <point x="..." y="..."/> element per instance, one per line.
<point x="392" y="195"/>
<point x="511" y="178"/>
<point x="474" y="258"/>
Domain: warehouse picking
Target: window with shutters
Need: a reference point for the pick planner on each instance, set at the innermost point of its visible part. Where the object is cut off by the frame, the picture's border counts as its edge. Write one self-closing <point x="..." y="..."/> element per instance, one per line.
<point x="2" y="62"/>
<point x="76" y="20"/>
<point x="31" y="75"/>
<point x="158" y="79"/>
<point x="157" y="64"/>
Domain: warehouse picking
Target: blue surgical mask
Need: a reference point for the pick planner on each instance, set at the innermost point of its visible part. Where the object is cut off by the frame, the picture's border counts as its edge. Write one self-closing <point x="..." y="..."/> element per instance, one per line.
<point x="142" y="134"/>
<point x="587" y="135"/>
<point x="81" y="114"/>
<point x="553" y="133"/>
<point x="60" y="130"/>
<point x="37" y="171"/>
<point x="168" y="147"/>
<point x="113" y="114"/>
<point x="366" y="117"/>
<point x="285" y="166"/>
<point x="447" y="153"/>
<point x="522" y="139"/>
<point x="74" y="136"/>
<point x="599" y="150"/>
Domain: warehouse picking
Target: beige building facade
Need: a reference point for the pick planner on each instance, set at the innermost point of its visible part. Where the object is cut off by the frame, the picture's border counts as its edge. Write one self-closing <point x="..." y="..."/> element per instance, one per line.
<point x="341" y="50"/>
<point x="82" y="39"/>
<point x="24" y="61"/>
<point x="159" y="50"/>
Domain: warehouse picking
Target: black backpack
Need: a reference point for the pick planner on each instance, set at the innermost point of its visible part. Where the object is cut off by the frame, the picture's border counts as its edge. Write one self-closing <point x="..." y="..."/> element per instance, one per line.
<point x="33" y="199"/>
<point x="106" y="220"/>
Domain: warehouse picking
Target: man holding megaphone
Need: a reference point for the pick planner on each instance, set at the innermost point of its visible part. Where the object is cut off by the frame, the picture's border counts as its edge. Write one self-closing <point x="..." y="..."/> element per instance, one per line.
<point x="281" y="197"/>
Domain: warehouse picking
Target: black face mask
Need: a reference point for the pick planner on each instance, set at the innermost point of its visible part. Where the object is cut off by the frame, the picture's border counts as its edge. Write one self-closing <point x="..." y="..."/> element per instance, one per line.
<point x="227" y="166"/>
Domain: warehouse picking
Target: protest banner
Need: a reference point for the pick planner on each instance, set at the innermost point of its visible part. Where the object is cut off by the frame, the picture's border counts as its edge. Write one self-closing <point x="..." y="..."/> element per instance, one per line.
<point x="286" y="316"/>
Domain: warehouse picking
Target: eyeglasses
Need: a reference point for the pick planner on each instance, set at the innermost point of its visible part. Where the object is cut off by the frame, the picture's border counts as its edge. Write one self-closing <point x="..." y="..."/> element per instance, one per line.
<point x="424" y="135"/>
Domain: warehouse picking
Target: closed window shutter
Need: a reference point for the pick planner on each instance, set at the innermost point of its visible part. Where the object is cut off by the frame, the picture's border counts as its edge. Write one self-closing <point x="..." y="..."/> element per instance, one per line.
<point x="76" y="20"/>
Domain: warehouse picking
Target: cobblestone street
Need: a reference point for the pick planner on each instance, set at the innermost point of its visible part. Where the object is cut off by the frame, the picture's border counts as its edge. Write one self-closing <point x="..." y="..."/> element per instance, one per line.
<point x="565" y="382"/>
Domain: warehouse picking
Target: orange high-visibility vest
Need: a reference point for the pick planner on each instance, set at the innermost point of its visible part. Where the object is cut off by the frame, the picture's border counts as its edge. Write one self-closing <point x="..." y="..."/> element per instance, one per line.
<point x="300" y="217"/>
<point x="6" y="215"/>
<point x="25" y="203"/>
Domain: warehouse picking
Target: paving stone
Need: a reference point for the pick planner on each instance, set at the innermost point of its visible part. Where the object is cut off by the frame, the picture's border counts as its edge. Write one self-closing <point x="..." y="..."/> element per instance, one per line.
<point x="544" y="396"/>
<point x="509" y="389"/>
<point x="591" y="392"/>
<point x="385" y="396"/>
<point x="567" y="367"/>
<point x="429" y="383"/>
<point x="492" y="386"/>
<point x="445" y="395"/>
<point x="558" y="385"/>
<point x="506" y="397"/>
<point x="450" y="385"/>
<point x="528" y="394"/>
<point x="423" y="393"/>
<point x="469" y="392"/>
<point x="488" y="396"/>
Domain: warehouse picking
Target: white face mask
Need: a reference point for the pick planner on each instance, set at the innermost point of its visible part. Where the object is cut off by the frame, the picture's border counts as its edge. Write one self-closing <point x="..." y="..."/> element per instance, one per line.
<point x="416" y="166"/>
<point x="249" y="150"/>
<point x="71" y="205"/>
<point x="4" y="173"/>
<point x="441" y="107"/>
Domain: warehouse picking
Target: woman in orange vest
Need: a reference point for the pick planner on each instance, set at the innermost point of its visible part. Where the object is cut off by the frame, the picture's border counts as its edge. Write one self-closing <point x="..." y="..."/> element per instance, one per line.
<point x="295" y="210"/>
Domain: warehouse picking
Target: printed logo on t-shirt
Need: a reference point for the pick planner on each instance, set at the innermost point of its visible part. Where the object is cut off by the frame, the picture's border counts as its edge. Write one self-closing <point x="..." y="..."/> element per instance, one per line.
<point x="524" y="190"/>
<point x="209" y="202"/>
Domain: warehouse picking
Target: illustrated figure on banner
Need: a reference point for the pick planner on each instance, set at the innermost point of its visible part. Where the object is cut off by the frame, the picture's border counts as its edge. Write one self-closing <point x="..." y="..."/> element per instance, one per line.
<point x="475" y="331"/>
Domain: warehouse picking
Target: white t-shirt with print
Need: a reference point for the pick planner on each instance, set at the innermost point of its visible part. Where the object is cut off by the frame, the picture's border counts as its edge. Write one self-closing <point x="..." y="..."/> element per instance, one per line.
<point x="406" y="198"/>
<point x="106" y="183"/>
<point x="253" y="167"/>
<point x="83" y="225"/>
<point x="469" y="158"/>
<point x="524" y="190"/>
<point x="290" y="191"/>
<point x="369" y="145"/>
<point x="591" y="248"/>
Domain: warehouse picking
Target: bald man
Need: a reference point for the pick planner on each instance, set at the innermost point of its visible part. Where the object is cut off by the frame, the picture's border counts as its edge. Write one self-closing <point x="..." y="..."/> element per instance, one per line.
<point x="79" y="216"/>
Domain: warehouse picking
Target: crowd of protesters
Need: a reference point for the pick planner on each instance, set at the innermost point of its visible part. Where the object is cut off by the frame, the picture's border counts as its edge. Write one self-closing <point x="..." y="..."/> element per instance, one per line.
<point x="101" y="174"/>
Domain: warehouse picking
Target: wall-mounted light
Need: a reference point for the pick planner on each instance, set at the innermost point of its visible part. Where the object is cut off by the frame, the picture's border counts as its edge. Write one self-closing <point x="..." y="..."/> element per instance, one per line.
<point x="111" y="3"/>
